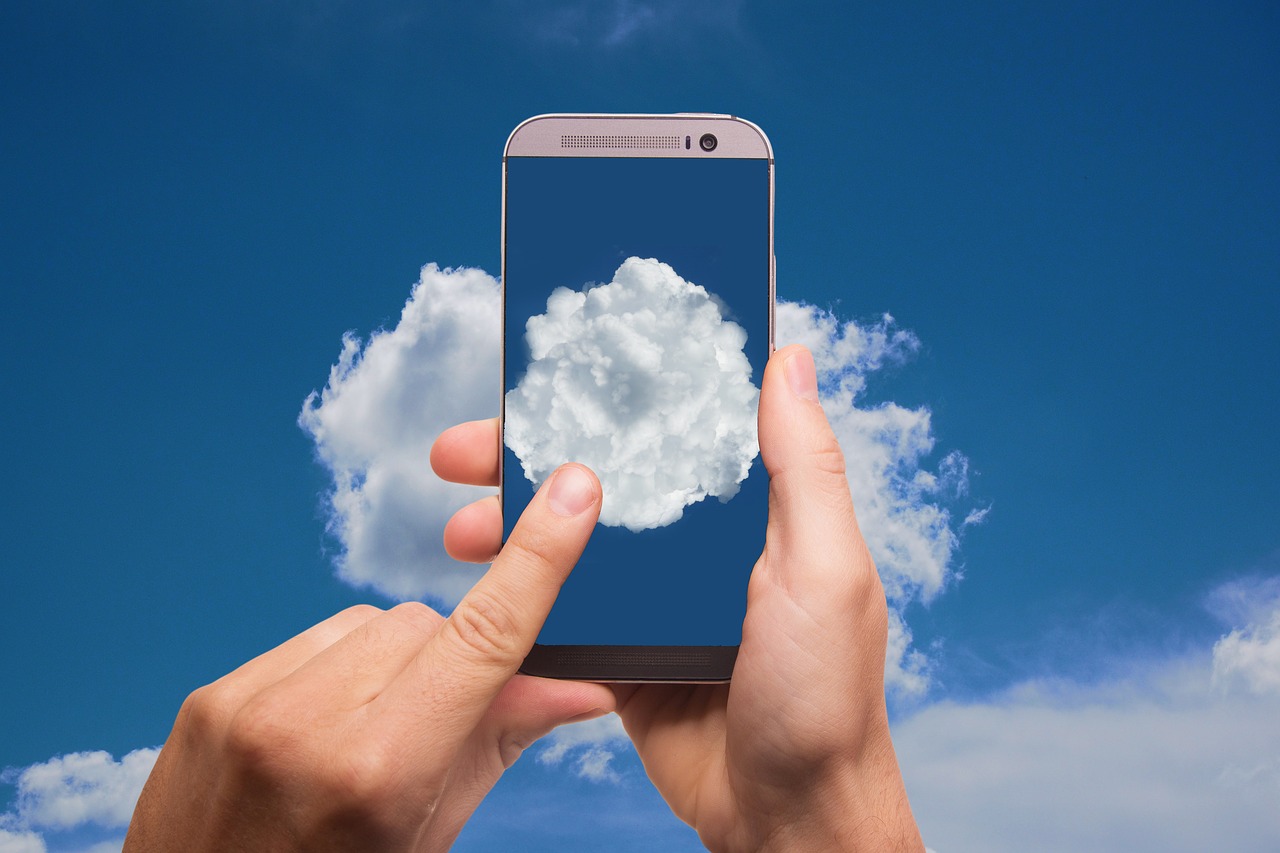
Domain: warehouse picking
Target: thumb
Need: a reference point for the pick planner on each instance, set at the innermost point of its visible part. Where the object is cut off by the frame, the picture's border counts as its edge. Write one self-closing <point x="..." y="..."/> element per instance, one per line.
<point x="461" y="670"/>
<point x="813" y="532"/>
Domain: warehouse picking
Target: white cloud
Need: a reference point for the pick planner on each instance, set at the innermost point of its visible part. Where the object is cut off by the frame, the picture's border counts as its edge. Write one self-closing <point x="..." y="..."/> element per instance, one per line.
<point x="594" y="763"/>
<point x="373" y="424"/>
<point x="1159" y="763"/>
<point x="21" y="842"/>
<point x="81" y="787"/>
<point x="906" y="670"/>
<point x="1248" y="599"/>
<point x="1250" y="656"/>
<point x="73" y="791"/>
<point x="590" y="747"/>
<point x="1170" y="757"/>
<point x="900" y="502"/>
<point x="659" y="403"/>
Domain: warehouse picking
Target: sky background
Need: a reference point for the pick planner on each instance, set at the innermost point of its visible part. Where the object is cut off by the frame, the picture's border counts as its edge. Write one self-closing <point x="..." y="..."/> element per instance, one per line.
<point x="1075" y="211"/>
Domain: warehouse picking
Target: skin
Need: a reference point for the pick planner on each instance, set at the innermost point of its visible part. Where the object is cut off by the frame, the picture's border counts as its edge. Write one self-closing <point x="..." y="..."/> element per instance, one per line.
<point x="377" y="730"/>
<point x="384" y="730"/>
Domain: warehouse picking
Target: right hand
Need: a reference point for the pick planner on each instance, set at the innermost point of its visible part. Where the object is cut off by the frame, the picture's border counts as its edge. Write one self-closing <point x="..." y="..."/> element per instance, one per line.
<point x="795" y="753"/>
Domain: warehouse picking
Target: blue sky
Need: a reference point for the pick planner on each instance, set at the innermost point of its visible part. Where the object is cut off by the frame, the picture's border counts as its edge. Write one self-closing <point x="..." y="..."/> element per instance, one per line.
<point x="1075" y="212"/>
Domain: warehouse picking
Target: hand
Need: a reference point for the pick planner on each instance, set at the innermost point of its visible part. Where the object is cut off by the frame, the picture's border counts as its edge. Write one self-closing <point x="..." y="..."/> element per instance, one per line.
<point x="378" y="730"/>
<point x="795" y="754"/>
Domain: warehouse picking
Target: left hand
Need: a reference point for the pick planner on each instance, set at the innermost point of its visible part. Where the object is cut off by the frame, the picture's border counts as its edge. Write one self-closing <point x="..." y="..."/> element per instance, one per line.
<point x="378" y="730"/>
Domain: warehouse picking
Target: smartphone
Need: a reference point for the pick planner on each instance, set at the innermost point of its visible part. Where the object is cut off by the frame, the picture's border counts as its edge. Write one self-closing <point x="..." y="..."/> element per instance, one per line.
<point x="638" y="293"/>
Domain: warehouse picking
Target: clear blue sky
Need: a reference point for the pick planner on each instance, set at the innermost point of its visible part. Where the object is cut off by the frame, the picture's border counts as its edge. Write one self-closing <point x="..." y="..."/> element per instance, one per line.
<point x="1076" y="209"/>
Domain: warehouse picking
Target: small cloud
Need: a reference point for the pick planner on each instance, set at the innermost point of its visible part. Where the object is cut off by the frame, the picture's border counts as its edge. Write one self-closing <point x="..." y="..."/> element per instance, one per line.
<point x="21" y="842"/>
<point x="1249" y="656"/>
<point x="1249" y="598"/>
<point x="592" y="745"/>
<point x="593" y="764"/>
<point x="659" y="404"/>
<point x="976" y="516"/>
<point x="73" y="791"/>
<point x="906" y="670"/>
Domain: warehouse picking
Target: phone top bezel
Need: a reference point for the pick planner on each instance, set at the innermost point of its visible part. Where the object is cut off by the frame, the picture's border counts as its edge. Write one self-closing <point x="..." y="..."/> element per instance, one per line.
<point x="540" y="136"/>
<point x="543" y="135"/>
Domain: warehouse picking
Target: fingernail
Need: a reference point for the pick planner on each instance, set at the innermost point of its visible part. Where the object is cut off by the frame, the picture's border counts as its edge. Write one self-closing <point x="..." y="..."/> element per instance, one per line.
<point x="802" y="376"/>
<point x="571" y="491"/>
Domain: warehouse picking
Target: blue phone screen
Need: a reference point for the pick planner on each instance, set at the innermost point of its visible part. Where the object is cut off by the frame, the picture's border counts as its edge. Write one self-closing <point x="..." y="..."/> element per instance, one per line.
<point x="636" y="334"/>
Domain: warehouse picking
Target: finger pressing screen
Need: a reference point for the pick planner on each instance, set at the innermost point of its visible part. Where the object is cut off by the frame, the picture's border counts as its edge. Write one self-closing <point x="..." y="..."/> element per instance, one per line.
<point x="482" y="644"/>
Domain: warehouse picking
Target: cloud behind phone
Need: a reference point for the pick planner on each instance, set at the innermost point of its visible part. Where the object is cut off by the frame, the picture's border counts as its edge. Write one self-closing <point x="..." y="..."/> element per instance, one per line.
<point x="390" y="394"/>
<point x="643" y="380"/>
<point x="903" y="503"/>
<point x="373" y="424"/>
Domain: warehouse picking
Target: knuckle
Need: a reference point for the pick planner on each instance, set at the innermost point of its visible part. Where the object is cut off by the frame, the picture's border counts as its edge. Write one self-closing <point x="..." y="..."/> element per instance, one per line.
<point x="262" y="733"/>
<point x="208" y="709"/>
<point x="828" y="459"/>
<point x="417" y="616"/>
<point x="363" y="611"/>
<point x="826" y="455"/>
<point x="486" y="628"/>
<point x="363" y="777"/>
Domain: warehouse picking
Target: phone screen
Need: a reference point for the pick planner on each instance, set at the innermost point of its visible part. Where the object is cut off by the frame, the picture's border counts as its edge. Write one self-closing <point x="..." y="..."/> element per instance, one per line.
<point x="636" y="329"/>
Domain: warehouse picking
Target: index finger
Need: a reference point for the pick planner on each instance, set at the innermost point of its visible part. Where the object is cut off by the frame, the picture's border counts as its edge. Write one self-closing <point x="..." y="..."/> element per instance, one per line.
<point x="458" y="673"/>
<point x="468" y="453"/>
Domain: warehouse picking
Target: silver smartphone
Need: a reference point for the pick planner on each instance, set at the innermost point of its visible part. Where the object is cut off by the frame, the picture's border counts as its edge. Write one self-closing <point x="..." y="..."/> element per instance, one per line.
<point x="638" y="293"/>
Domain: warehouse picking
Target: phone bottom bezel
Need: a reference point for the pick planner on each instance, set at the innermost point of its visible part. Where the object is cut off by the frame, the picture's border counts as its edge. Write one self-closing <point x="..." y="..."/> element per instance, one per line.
<point x="674" y="664"/>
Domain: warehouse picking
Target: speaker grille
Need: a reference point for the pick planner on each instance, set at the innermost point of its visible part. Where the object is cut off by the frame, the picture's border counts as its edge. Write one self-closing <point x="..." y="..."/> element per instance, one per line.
<point x="610" y="141"/>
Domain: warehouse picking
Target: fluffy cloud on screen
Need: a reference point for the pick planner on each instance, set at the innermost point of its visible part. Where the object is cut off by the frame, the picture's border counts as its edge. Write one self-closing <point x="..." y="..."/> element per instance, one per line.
<point x="644" y="381"/>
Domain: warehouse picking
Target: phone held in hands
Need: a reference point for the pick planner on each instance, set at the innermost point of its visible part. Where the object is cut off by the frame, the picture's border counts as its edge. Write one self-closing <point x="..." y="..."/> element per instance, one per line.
<point x="638" y="292"/>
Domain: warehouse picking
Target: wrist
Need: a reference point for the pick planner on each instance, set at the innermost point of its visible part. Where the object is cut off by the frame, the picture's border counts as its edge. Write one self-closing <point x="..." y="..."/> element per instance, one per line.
<point x="850" y="806"/>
